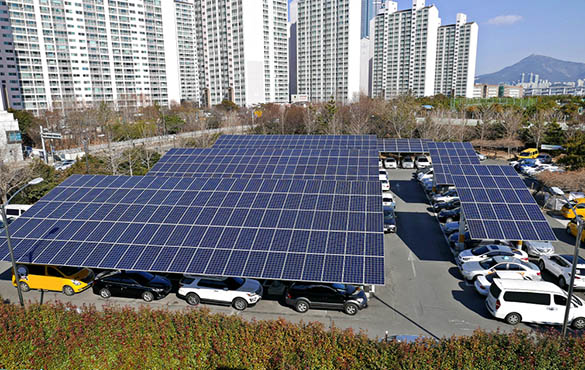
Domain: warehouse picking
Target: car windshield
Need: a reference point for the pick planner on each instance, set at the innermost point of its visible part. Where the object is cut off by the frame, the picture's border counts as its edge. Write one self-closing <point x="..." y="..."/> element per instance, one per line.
<point x="488" y="264"/>
<point x="234" y="282"/>
<point x="569" y="258"/>
<point x="349" y="289"/>
<point x="525" y="153"/>
<point x="141" y="277"/>
<point x="479" y="251"/>
<point x="422" y="159"/>
<point x="69" y="271"/>
<point x="407" y="159"/>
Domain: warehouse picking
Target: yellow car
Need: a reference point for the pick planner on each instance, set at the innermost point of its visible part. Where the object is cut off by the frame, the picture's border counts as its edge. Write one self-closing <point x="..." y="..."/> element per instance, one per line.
<point x="529" y="153"/>
<point x="572" y="229"/>
<point x="69" y="280"/>
<point x="567" y="210"/>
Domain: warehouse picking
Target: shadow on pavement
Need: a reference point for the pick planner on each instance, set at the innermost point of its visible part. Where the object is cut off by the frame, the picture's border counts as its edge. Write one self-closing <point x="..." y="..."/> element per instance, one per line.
<point x="563" y="235"/>
<point x="454" y="271"/>
<point x="409" y="191"/>
<point x="423" y="236"/>
<point x="471" y="300"/>
<point x="6" y="274"/>
<point x="406" y="317"/>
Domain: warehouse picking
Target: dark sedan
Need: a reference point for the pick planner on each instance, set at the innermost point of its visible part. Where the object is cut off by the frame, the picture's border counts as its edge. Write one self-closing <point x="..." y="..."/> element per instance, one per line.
<point x="132" y="284"/>
<point x="449" y="215"/>
<point x="452" y="204"/>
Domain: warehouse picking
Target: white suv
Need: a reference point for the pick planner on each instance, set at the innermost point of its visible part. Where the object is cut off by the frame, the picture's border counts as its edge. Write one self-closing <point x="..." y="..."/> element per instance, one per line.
<point x="560" y="266"/>
<point x="422" y="162"/>
<point x="539" y="302"/>
<point x="237" y="292"/>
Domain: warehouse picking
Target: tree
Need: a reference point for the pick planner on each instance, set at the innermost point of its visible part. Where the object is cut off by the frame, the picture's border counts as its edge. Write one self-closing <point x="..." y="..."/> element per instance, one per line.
<point x="575" y="147"/>
<point x="27" y="124"/>
<point x="554" y="134"/>
<point x="310" y="119"/>
<point x="12" y="176"/>
<point x="359" y="114"/>
<point x="511" y="120"/>
<point x="398" y="116"/>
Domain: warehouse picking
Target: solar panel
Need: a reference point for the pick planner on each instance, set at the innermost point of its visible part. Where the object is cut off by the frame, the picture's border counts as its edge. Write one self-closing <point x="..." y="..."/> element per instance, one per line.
<point x="317" y="230"/>
<point x="297" y="141"/>
<point x="403" y="145"/>
<point x="497" y="204"/>
<point x="444" y="154"/>
<point x="307" y="164"/>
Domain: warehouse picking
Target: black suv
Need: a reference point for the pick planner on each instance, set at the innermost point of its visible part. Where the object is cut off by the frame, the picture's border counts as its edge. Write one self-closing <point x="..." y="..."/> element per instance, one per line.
<point x="348" y="298"/>
<point x="132" y="284"/>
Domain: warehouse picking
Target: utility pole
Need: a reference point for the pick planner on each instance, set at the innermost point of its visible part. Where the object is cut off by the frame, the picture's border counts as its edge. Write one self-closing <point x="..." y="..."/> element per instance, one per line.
<point x="85" y="149"/>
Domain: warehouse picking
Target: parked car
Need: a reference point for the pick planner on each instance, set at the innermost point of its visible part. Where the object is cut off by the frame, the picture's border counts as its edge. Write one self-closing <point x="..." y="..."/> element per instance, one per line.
<point x="382" y="174"/>
<point x="389" y="220"/>
<point x="451" y="227"/>
<point x="69" y="280"/>
<point x="572" y="229"/>
<point x="388" y="199"/>
<point x="480" y="156"/>
<point x="234" y="291"/>
<point x="529" y="153"/>
<point x="390" y="162"/>
<point x="132" y="284"/>
<point x="274" y="289"/>
<point x="567" y="210"/>
<point x="560" y="265"/>
<point x="449" y="215"/>
<point x="408" y="162"/>
<point x="348" y="298"/>
<point x="445" y="197"/>
<point x="419" y="173"/>
<point x="539" y="302"/>
<point x="426" y="175"/>
<point x="385" y="185"/>
<point x="482" y="283"/>
<point x="63" y="165"/>
<point x="16" y="210"/>
<point x="468" y="242"/>
<point x="544" y="158"/>
<point x="538" y="248"/>
<point x="380" y="163"/>
<point x="422" y="162"/>
<point x="484" y="252"/>
<point x="471" y="270"/>
<point x="452" y="204"/>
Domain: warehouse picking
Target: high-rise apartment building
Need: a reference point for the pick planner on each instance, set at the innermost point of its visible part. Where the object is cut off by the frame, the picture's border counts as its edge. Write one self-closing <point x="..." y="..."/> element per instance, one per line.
<point x="456" y="54"/>
<point x="328" y="49"/>
<point x="293" y="15"/>
<point x="78" y="53"/>
<point x="405" y="48"/>
<point x="369" y="10"/>
<point x="243" y="46"/>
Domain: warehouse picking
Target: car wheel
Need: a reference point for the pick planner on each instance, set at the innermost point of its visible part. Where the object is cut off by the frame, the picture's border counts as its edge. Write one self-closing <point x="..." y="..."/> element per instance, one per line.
<point x="24" y="286"/>
<point x="541" y="265"/>
<point x="513" y="318"/>
<point x="193" y="299"/>
<point x="240" y="304"/>
<point x="302" y="306"/>
<point x="578" y="323"/>
<point x="67" y="290"/>
<point x="562" y="282"/>
<point x="350" y="309"/>
<point x="148" y="296"/>
<point x="105" y="293"/>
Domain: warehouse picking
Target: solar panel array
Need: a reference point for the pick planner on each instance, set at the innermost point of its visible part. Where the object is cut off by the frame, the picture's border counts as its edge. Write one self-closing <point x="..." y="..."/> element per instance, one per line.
<point x="298" y="141"/>
<point x="318" y="164"/>
<point x="497" y="204"/>
<point x="403" y="145"/>
<point x="444" y="154"/>
<point x="301" y="230"/>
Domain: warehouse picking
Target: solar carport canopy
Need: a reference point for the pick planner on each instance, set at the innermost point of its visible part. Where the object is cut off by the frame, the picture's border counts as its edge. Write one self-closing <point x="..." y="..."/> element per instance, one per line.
<point x="444" y="154"/>
<point x="403" y="145"/>
<point x="298" y="141"/>
<point x="302" y="230"/>
<point x="497" y="204"/>
<point x="319" y="164"/>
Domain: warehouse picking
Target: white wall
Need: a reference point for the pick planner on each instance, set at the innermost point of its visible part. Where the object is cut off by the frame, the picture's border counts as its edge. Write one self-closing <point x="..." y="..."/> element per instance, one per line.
<point x="253" y="51"/>
<point x="171" y="52"/>
<point x="364" y="65"/>
<point x="469" y="93"/>
<point x="353" y="50"/>
<point x="430" y="68"/>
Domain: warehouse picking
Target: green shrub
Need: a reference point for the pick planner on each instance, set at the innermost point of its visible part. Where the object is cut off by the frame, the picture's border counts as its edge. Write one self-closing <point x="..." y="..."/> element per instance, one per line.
<point x="60" y="337"/>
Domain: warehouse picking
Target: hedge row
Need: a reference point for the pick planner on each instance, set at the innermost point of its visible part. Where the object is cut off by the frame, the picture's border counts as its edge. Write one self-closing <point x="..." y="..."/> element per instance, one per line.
<point x="61" y="337"/>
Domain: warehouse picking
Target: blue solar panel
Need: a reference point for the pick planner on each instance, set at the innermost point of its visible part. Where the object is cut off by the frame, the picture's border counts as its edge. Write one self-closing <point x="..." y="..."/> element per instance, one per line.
<point x="403" y="145"/>
<point x="444" y="154"/>
<point x="296" y="142"/>
<point x="497" y="204"/>
<point x="213" y="226"/>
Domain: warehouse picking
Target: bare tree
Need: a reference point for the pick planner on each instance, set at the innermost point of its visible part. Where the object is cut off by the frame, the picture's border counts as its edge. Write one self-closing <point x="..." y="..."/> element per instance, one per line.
<point x="399" y="116"/>
<point x="310" y="119"/>
<point x="538" y="122"/>
<point x="511" y="120"/>
<point x="360" y="113"/>
<point x="12" y="176"/>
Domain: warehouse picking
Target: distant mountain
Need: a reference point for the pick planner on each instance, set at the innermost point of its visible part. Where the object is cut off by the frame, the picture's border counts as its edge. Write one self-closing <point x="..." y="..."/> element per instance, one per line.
<point x="547" y="68"/>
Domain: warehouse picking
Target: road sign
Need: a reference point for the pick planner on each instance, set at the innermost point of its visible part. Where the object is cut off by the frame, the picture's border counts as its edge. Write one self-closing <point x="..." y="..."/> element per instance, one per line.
<point x="52" y="135"/>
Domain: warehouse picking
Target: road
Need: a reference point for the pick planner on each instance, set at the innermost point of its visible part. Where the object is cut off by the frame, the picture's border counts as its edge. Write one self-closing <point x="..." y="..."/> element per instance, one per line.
<point x="424" y="292"/>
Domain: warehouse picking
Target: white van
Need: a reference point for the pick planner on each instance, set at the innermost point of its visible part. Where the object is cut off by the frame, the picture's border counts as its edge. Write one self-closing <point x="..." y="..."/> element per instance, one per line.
<point x="15" y="210"/>
<point x="538" y="302"/>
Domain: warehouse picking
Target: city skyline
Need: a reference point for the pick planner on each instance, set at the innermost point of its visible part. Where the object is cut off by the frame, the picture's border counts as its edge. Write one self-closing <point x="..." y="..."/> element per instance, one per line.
<point x="513" y="30"/>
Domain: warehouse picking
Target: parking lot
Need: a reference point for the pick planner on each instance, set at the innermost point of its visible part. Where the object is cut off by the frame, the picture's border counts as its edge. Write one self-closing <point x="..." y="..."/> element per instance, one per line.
<point x="424" y="292"/>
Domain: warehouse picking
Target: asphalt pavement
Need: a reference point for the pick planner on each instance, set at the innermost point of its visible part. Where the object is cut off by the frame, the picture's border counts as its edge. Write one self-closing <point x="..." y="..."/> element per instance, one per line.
<point x="424" y="292"/>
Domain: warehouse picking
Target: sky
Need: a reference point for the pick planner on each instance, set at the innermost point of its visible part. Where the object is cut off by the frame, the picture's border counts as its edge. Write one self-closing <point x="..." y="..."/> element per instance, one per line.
<point x="510" y="30"/>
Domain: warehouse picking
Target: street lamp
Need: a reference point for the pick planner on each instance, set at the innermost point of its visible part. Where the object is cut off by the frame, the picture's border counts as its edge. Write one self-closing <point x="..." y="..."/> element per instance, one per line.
<point x="558" y="191"/>
<point x="36" y="181"/>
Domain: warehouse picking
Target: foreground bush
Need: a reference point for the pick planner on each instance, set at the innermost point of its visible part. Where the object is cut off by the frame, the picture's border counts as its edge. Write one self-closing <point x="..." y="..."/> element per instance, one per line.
<point x="58" y="337"/>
